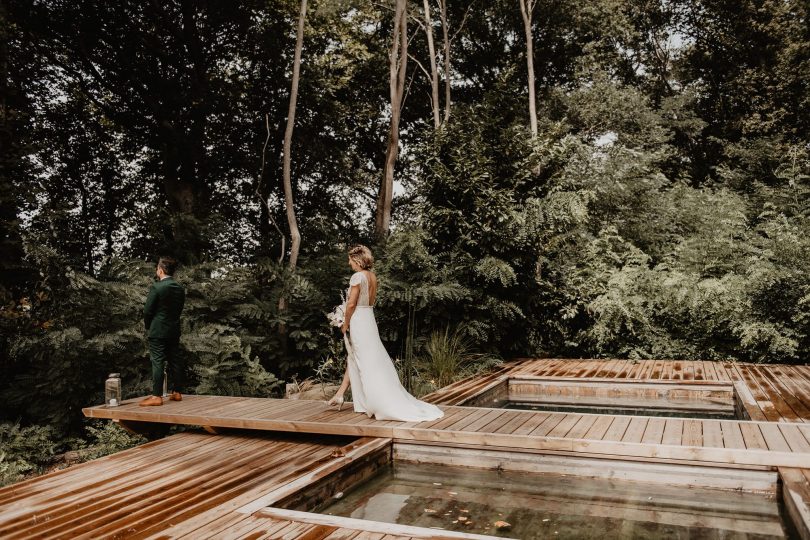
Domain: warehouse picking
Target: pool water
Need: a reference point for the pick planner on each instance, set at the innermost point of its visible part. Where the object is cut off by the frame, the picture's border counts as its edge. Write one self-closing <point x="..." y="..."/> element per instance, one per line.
<point x="624" y="411"/>
<point x="555" y="506"/>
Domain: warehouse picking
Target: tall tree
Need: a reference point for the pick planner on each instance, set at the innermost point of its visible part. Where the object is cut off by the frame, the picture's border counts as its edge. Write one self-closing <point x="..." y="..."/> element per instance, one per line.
<point x="527" y="12"/>
<point x="397" y="65"/>
<point x="446" y="43"/>
<point x="292" y="222"/>
<point x="434" y="70"/>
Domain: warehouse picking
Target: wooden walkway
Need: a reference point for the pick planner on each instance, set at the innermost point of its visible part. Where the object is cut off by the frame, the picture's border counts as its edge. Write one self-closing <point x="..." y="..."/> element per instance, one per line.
<point x="709" y="441"/>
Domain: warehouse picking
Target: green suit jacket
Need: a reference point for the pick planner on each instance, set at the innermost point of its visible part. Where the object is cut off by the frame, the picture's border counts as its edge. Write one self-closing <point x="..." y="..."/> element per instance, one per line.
<point x="161" y="314"/>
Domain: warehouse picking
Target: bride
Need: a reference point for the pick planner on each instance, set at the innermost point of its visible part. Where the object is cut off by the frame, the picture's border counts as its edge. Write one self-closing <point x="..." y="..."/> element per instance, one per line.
<point x="376" y="389"/>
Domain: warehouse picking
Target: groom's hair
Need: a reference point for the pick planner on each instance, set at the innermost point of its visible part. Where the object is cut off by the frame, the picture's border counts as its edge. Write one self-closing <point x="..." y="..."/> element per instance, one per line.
<point x="168" y="265"/>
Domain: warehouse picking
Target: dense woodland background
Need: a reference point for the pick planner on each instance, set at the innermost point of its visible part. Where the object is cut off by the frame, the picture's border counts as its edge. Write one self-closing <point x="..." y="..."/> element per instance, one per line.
<point x="654" y="206"/>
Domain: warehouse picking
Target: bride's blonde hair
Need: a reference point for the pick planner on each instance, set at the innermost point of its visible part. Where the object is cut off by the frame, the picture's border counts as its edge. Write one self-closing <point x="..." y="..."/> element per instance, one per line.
<point x="362" y="256"/>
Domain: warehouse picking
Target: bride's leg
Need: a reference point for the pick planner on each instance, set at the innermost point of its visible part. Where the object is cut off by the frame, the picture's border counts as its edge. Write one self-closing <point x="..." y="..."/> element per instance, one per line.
<point x="342" y="389"/>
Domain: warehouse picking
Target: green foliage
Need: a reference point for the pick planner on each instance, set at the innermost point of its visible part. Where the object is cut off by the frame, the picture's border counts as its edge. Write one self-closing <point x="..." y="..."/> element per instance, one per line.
<point x="107" y="438"/>
<point x="225" y="367"/>
<point x="448" y="357"/>
<point x="24" y="450"/>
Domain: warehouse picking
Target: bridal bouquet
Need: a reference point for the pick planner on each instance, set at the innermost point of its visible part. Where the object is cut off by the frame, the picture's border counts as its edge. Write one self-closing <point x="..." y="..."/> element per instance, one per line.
<point x="338" y="314"/>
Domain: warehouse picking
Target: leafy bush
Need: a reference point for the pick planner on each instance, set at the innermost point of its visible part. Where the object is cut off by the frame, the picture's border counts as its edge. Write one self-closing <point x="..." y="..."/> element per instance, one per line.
<point x="107" y="438"/>
<point x="24" y="450"/>
<point x="448" y="357"/>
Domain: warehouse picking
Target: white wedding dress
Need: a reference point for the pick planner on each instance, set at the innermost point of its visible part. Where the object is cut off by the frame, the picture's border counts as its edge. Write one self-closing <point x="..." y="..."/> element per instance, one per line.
<point x="376" y="389"/>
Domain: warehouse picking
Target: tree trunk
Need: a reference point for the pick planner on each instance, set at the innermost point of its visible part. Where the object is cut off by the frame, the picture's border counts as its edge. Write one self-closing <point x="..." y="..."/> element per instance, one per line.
<point x="526" y="10"/>
<point x="295" y="235"/>
<point x="446" y="38"/>
<point x="398" y="62"/>
<point x="292" y="222"/>
<point x="434" y="70"/>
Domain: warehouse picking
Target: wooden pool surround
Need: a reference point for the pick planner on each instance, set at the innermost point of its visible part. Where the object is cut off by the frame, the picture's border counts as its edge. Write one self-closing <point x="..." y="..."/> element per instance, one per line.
<point x="222" y="484"/>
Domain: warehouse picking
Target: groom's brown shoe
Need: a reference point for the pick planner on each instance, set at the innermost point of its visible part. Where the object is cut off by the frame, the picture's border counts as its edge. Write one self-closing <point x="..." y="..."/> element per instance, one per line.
<point x="176" y="396"/>
<point x="151" y="401"/>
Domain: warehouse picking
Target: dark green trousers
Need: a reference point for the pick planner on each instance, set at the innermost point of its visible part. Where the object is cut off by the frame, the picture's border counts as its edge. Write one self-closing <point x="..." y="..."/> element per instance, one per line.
<point x="165" y="353"/>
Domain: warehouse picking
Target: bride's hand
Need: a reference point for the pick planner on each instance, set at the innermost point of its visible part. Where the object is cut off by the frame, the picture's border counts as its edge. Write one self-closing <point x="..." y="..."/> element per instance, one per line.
<point x="345" y="327"/>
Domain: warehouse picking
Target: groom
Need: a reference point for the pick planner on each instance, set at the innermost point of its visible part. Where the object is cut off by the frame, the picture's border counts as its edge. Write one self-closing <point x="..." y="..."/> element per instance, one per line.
<point x="161" y="315"/>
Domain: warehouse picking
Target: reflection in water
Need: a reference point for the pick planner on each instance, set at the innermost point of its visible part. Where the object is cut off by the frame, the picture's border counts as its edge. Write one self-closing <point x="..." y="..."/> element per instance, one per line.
<point x="382" y="507"/>
<point x="549" y="506"/>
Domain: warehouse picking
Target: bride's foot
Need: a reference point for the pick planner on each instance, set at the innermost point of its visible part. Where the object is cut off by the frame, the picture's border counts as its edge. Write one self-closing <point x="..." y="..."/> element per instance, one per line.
<point x="336" y="401"/>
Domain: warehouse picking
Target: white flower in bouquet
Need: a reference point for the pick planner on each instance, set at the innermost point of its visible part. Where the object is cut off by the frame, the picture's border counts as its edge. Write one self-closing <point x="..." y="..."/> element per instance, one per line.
<point x="338" y="314"/>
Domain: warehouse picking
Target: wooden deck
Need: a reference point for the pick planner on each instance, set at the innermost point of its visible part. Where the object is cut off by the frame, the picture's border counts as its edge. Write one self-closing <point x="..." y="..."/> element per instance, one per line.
<point x="197" y="485"/>
<point x="772" y="392"/>
<point x="193" y="486"/>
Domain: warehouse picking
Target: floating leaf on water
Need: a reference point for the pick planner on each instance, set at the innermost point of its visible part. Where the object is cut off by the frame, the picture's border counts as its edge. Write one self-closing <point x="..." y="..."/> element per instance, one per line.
<point x="452" y="493"/>
<point x="437" y="483"/>
<point x="430" y="510"/>
<point x="464" y="510"/>
<point x="462" y="518"/>
<point x="545" y="520"/>
<point x="502" y="525"/>
<point x="338" y="495"/>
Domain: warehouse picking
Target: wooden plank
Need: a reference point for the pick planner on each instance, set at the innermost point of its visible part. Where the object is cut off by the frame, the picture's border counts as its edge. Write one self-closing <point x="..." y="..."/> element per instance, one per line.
<point x="688" y="371"/>
<point x="789" y="391"/>
<point x="773" y="438"/>
<point x="796" y="498"/>
<point x="692" y="433"/>
<point x="775" y="398"/>
<point x="514" y="424"/>
<point x="795" y="439"/>
<point x="673" y="431"/>
<point x="479" y="423"/>
<point x="502" y="420"/>
<point x="535" y="420"/>
<point x="635" y="430"/>
<point x="654" y="432"/>
<point x="451" y="415"/>
<point x="582" y="427"/>
<point x="617" y="429"/>
<point x="343" y="534"/>
<point x="752" y="436"/>
<point x="712" y="434"/>
<point x="732" y="436"/>
<point x="748" y="402"/>
<point x="565" y="425"/>
<point x="549" y="423"/>
<point x="599" y="428"/>
<point x="712" y="455"/>
<point x="467" y="420"/>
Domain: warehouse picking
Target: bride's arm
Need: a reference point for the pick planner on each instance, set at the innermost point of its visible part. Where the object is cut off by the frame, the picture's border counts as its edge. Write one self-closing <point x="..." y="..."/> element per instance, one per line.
<point x="351" y="305"/>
